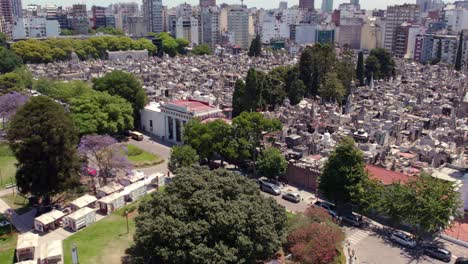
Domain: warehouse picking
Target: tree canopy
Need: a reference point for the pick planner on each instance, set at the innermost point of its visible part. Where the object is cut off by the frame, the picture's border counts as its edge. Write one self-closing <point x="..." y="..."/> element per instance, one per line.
<point x="344" y="177"/>
<point x="44" y="140"/>
<point x="50" y="50"/>
<point x="331" y="88"/>
<point x="10" y="103"/>
<point x="314" y="238"/>
<point x="104" y="152"/>
<point x="9" y="61"/>
<point x="426" y="203"/>
<point x="202" y="49"/>
<point x="255" y="49"/>
<point x="360" y="70"/>
<point x="101" y="113"/>
<point x="380" y="63"/>
<point x="208" y="217"/>
<point x="182" y="156"/>
<point x="16" y="81"/>
<point x="110" y="31"/>
<point x="458" y="59"/>
<point x="125" y="85"/>
<point x="272" y="163"/>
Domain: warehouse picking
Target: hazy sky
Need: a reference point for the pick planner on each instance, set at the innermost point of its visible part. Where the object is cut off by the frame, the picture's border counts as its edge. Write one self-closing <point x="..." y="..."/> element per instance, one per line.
<point x="367" y="4"/>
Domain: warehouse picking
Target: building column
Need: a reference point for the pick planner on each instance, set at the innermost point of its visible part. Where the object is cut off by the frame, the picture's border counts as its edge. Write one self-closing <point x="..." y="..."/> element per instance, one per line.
<point x="174" y="131"/>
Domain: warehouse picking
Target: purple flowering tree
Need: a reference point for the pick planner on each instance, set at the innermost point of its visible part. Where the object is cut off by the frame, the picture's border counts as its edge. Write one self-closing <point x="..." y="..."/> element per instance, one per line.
<point x="10" y="103"/>
<point x="103" y="152"/>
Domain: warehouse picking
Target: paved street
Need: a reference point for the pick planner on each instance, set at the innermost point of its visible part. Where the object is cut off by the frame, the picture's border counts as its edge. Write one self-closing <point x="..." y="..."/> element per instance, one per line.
<point x="370" y="246"/>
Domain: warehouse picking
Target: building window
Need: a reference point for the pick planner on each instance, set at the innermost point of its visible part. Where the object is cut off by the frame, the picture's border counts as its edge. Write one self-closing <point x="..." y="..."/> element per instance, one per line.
<point x="151" y="125"/>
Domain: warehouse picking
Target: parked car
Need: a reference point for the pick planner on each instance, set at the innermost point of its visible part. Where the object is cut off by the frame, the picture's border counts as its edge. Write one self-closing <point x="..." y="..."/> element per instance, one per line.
<point x="270" y="188"/>
<point x="327" y="206"/>
<point x="438" y="253"/>
<point x="292" y="197"/>
<point x="403" y="239"/>
<point x="353" y="219"/>
<point x="461" y="260"/>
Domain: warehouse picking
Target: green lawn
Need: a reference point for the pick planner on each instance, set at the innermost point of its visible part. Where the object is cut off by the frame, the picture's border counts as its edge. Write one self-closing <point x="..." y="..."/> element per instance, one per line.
<point x="141" y="158"/>
<point x="103" y="242"/>
<point x="7" y="244"/>
<point x="19" y="203"/>
<point x="7" y="166"/>
<point x="7" y="248"/>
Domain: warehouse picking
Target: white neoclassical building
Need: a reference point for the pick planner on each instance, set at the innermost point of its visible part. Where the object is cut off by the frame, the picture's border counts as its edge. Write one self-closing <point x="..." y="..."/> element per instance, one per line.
<point x="167" y="120"/>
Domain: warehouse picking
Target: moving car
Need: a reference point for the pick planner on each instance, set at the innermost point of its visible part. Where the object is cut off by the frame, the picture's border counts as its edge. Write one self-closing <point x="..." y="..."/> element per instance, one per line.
<point x="137" y="136"/>
<point x="438" y="253"/>
<point x="327" y="206"/>
<point x="403" y="239"/>
<point x="292" y="197"/>
<point x="270" y="188"/>
<point x="353" y="220"/>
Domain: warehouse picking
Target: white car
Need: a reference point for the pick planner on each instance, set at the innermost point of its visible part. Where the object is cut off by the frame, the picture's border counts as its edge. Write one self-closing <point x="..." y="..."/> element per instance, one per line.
<point x="403" y="239"/>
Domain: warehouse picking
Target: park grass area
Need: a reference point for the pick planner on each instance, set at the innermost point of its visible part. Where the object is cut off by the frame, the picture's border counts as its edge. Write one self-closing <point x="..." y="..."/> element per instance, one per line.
<point x="105" y="241"/>
<point x="142" y="158"/>
<point x="7" y="248"/>
<point x="7" y="243"/>
<point x="7" y="166"/>
<point x="17" y="202"/>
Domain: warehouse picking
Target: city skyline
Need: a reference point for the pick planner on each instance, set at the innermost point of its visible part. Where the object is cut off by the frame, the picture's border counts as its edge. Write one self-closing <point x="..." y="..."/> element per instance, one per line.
<point x="365" y="4"/>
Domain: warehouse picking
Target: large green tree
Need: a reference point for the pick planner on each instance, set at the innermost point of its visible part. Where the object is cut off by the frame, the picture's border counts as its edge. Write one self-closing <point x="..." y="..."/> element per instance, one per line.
<point x="386" y="62"/>
<point x="182" y="156"/>
<point x="344" y="178"/>
<point x="238" y="104"/>
<point x="372" y="68"/>
<point x="9" y="61"/>
<point x="44" y="141"/>
<point x="458" y="59"/>
<point x="332" y="88"/>
<point x="16" y="81"/>
<point x="360" y="71"/>
<point x="255" y="49"/>
<point x="125" y="85"/>
<point x="60" y="90"/>
<point x="3" y="39"/>
<point x="208" y="217"/>
<point x="314" y="64"/>
<point x="101" y="113"/>
<point x="249" y="130"/>
<point x="202" y="49"/>
<point x="272" y="163"/>
<point x="426" y="203"/>
<point x="200" y="137"/>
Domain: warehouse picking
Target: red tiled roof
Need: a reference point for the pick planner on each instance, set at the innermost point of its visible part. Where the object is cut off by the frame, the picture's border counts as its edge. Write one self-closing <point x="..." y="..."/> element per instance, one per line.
<point x="192" y="105"/>
<point x="386" y="177"/>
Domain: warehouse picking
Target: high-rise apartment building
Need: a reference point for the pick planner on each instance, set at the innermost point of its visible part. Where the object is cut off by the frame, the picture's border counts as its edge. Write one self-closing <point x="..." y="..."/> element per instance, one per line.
<point x="354" y="2"/>
<point x="79" y="22"/>
<point x="210" y="32"/>
<point x="153" y="13"/>
<point x="99" y="17"/>
<point x="396" y="16"/>
<point x="6" y="11"/>
<point x="307" y="4"/>
<point x="17" y="8"/>
<point x="327" y="6"/>
<point x="186" y="24"/>
<point x="207" y="3"/>
<point x="238" y="26"/>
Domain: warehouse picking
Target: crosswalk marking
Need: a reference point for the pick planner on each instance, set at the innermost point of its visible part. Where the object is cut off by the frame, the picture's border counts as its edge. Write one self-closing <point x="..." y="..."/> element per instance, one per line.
<point x="358" y="236"/>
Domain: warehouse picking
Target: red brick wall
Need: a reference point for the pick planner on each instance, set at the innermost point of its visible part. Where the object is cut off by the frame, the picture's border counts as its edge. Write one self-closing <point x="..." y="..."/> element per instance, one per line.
<point x="303" y="177"/>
